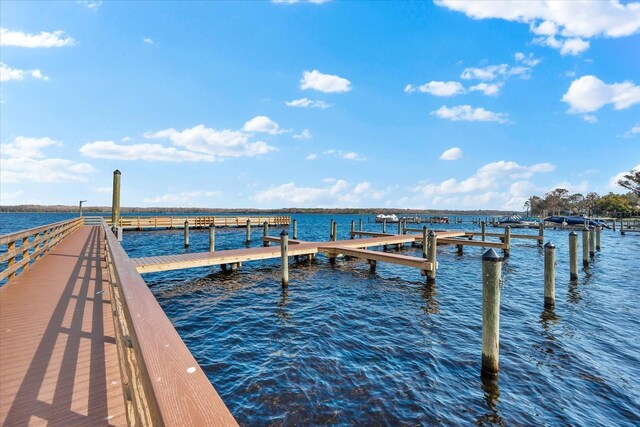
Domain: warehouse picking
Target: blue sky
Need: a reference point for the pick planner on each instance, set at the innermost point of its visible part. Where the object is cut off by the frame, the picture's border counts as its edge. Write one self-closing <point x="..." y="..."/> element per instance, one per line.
<point x="464" y="105"/>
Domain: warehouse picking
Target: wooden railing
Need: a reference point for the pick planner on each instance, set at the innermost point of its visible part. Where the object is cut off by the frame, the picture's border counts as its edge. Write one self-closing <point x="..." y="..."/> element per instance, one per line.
<point x="163" y="384"/>
<point x="198" y="221"/>
<point x="27" y="246"/>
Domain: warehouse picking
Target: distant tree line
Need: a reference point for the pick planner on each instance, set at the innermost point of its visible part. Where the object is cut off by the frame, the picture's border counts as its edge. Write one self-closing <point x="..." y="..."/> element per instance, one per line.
<point x="561" y="202"/>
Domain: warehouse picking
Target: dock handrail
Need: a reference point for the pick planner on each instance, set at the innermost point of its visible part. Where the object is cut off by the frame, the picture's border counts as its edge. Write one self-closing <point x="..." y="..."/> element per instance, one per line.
<point x="141" y="222"/>
<point x="34" y="242"/>
<point x="164" y="385"/>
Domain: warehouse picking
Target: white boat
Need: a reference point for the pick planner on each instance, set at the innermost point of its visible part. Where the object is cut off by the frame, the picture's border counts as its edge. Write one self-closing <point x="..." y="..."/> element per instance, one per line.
<point x="386" y="218"/>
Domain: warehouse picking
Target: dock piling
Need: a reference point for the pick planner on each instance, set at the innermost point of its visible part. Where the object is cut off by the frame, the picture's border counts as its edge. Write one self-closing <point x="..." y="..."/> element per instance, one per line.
<point x="331" y="230"/>
<point x="598" y="232"/>
<point x="284" y="254"/>
<point x="507" y="241"/>
<point x="248" y="238"/>
<point x="115" y="204"/>
<point x="592" y="241"/>
<point x="353" y="228"/>
<point x="360" y="224"/>
<point x="431" y="256"/>
<point x="212" y="237"/>
<point x="384" y="225"/>
<point x="491" y="273"/>
<point x="400" y="227"/>
<point x="585" y="247"/>
<point x="334" y="231"/>
<point x="295" y="229"/>
<point x="186" y="234"/>
<point x="540" y="233"/>
<point x="549" y="275"/>
<point x="265" y="233"/>
<point x="483" y="226"/>
<point x="573" y="255"/>
<point x="424" y="241"/>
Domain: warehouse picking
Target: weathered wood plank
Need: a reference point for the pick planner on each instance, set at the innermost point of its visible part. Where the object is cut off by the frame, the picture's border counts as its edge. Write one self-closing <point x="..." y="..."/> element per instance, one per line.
<point x="392" y="258"/>
<point x="466" y="242"/>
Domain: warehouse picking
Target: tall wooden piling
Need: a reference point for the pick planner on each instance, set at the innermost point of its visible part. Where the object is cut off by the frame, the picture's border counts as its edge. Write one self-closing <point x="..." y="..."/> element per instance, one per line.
<point x="212" y="237"/>
<point x="613" y="224"/>
<point x="115" y="203"/>
<point x="265" y="233"/>
<point x="585" y="247"/>
<point x="573" y="255"/>
<point x="431" y="256"/>
<point x="483" y="226"/>
<point x="384" y="225"/>
<point x="399" y="227"/>
<point x="549" y="275"/>
<point x="295" y="229"/>
<point x="424" y="241"/>
<point x="540" y="233"/>
<point x="592" y="241"/>
<point x="334" y="231"/>
<point x="331" y="230"/>
<point x="360" y="224"/>
<point x="284" y="256"/>
<point x="507" y="241"/>
<point x="353" y="228"/>
<point x="598" y="232"/>
<point x="491" y="273"/>
<point x="247" y="240"/>
<point x="621" y="226"/>
<point x="186" y="234"/>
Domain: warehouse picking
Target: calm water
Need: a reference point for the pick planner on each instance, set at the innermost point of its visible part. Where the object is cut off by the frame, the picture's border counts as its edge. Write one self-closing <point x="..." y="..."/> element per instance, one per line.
<point x="346" y="346"/>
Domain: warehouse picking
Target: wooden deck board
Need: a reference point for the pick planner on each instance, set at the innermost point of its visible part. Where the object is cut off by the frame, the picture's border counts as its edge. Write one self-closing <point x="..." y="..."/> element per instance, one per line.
<point x="58" y="358"/>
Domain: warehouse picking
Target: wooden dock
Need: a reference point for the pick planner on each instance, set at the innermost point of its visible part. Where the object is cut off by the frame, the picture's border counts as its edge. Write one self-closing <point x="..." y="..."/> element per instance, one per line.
<point x="160" y="222"/>
<point x="84" y="342"/>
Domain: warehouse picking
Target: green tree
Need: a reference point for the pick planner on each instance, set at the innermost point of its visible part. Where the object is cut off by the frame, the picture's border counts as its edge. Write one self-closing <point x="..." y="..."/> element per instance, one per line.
<point x="614" y="204"/>
<point x="631" y="181"/>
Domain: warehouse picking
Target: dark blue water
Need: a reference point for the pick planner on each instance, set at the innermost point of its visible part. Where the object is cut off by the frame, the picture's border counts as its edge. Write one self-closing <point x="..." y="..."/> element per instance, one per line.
<point x="346" y="346"/>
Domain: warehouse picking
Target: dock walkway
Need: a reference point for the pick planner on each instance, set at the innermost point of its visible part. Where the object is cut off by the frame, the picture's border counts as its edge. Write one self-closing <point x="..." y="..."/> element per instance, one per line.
<point x="58" y="359"/>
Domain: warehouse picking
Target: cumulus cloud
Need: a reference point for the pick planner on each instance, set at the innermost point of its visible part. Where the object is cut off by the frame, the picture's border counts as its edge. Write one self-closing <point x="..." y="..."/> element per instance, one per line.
<point x="562" y="25"/>
<point x="180" y="199"/>
<point x="196" y="144"/>
<point x="501" y="184"/>
<point x="305" y="134"/>
<point x="588" y="94"/>
<point x="7" y="73"/>
<point x="328" y="83"/>
<point x="492" y="72"/>
<point x="339" y="193"/>
<point x="634" y="131"/>
<point x="311" y="156"/>
<point x="24" y="159"/>
<point x="147" y="40"/>
<point x="263" y="124"/>
<point x="489" y="89"/>
<point x="43" y="39"/>
<point x="437" y="88"/>
<point x="469" y="114"/>
<point x="451" y="154"/>
<point x="307" y="103"/>
<point x="613" y="181"/>
<point x="348" y="155"/>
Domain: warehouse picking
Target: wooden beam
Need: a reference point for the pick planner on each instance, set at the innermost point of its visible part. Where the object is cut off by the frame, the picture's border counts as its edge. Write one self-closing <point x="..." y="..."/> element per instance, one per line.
<point x="466" y="242"/>
<point x="392" y="258"/>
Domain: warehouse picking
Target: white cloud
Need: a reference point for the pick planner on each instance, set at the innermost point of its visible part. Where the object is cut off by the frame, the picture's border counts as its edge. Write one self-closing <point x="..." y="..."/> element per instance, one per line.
<point x="613" y="181"/>
<point x="24" y="159"/>
<point x="180" y="199"/>
<point x="349" y="155"/>
<point x="103" y="190"/>
<point x="451" y="154"/>
<point x="7" y="73"/>
<point x="590" y="118"/>
<point x="44" y="39"/>
<point x="339" y="193"/>
<point x="328" y="83"/>
<point x="635" y="130"/>
<point x="492" y="72"/>
<point x="10" y="196"/>
<point x="90" y="4"/>
<point x="263" y="124"/>
<point x="489" y="89"/>
<point x="307" y="103"/>
<point x="469" y="114"/>
<point x="147" y="40"/>
<point x="300" y="1"/>
<point x="437" y="88"/>
<point x="305" y="134"/>
<point x="499" y="184"/>
<point x="311" y="156"/>
<point x="195" y="144"/>
<point x="588" y="94"/>
<point x="528" y="60"/>
<point x="571" y="21"/>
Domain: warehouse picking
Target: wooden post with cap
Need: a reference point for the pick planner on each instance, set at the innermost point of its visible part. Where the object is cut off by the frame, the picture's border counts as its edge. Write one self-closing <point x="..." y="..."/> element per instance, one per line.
<point x="549" y="275"/>
<point x="573" y="255"/>
<point x="284" y="256"/>
<point x="491" y="273"/>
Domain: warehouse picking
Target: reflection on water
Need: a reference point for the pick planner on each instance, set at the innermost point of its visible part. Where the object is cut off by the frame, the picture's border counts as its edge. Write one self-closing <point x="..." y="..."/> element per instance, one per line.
<point x="429" y="294"/>
<point x="491" y="392"/>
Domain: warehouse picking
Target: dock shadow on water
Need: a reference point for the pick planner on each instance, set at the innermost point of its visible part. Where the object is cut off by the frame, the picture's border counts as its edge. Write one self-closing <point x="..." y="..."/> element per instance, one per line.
<point x="344" y="346"/>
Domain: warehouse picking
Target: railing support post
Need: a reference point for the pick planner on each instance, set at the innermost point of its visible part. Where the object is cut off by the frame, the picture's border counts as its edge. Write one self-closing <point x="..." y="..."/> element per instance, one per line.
<point x="115" y="203"/>
<point x="212" y="237"/>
